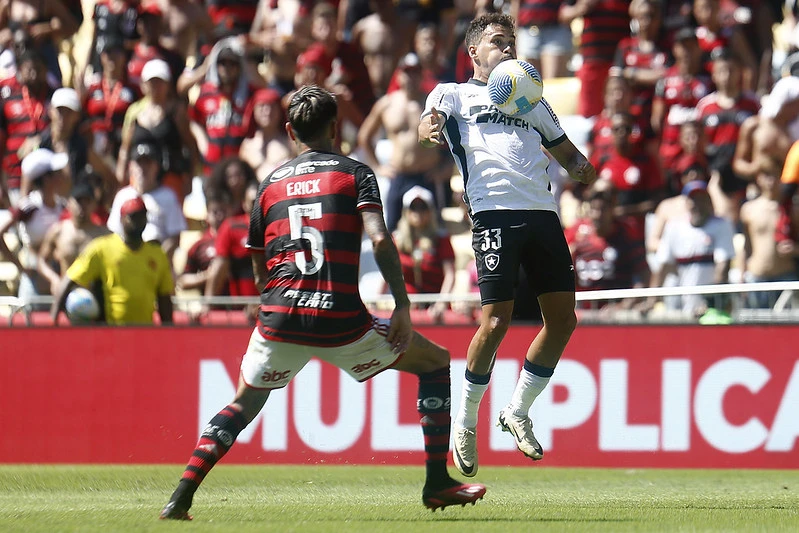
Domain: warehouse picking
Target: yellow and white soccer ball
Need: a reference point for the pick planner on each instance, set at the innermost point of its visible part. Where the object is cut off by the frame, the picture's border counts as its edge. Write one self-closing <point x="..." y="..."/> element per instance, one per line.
<point x="515" y="87"/>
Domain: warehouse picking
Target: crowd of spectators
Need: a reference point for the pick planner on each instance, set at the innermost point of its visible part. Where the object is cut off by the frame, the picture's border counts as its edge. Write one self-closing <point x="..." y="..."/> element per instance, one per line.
<point x="692" y="107"/>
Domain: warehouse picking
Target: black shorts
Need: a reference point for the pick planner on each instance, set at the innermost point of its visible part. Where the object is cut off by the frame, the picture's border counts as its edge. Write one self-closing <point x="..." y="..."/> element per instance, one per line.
<point x="504" y="240"/>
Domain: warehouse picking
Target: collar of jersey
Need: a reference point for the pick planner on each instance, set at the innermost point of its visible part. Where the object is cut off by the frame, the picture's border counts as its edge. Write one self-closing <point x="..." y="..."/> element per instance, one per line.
<point x="477" y="82"/>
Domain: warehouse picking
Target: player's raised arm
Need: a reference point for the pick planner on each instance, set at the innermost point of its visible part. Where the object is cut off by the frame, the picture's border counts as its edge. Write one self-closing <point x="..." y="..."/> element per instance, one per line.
<point x="575" y="163"/>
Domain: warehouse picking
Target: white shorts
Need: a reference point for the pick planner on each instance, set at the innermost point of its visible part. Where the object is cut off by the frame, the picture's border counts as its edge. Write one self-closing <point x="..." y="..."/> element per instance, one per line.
<point x="534" y="41"/>
<point x="271" y="364"/>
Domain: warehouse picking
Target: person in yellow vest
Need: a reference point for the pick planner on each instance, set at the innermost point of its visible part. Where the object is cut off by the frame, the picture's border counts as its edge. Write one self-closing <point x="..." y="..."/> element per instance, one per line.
<point x="134" y="275"/>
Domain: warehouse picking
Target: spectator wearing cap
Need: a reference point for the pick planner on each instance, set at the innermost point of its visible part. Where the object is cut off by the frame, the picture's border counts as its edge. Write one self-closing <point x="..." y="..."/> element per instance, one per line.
<point x="161" y="118"/>
<point x="221" y="115"/>
<point x="348" y="68"/>
<point x="108" y="97"/>
<point x="269" y="146"/>
<point x="23" y="114"/>
<point x="42" y="170"/>
<point x="425" y="250"/>
<point x="135" y="275"/>
<point x="69" y="236"/>
<point x="699" y="248"/>
<point x="409" y="163"/>
<point x="165" y="218"/>
<point x="150" y="25"/>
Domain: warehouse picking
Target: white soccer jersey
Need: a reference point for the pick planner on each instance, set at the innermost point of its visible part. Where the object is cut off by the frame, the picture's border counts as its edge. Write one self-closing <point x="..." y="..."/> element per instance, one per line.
<point x="695" y="251"/>
<point x="499" y="156"/>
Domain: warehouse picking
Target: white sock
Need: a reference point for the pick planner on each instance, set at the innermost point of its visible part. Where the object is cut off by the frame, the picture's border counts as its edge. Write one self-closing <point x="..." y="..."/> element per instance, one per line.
<point x="527" y="390"/>
<point x="471" y="397"/>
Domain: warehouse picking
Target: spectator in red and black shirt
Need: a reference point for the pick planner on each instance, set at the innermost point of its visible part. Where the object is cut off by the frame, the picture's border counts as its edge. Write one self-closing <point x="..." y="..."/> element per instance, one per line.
<point x="232" y="262"/>
<point x="605" y="23"/>
<point x="712" y="35"/>
<point x="608" y="251"/>
<point x="677" y="94"/>
<point x="722" y="113"/>
<point x="198" y="258"/>
<point x="540" y="38"/>
<point x="23" y="114"/>
<point x="151" y="26"/>
<point x="634" y="174"/>
<point x="223" y="109"/>
<point x="347" y="58"/>
<point x="108" y="98"/>
<point x="640" y="59"/>
<point x="618" y="98"/>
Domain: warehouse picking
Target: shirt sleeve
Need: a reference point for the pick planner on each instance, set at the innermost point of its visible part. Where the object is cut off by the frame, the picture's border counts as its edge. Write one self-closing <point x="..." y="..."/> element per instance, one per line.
<point x="443" y="98"/>
<point x="88" y="266"/>
<point x="546" y="123"/>
<point x="223" y="241"/>
<point x="368" y="191"/>
<point x="255" y="235"/>
<point x="174" y="221"/>
<point x="664" y="254"/>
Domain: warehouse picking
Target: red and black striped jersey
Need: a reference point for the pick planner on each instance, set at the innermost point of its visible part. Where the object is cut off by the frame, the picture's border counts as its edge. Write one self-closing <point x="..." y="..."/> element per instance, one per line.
<point x="22" y="115"/>
<point x="604" y="26"/>
<point x="307" y="221"/>
<point x="225" y="119"/>
<point x="631" y="54"/>
<point x="538" y="13"/>
<point x="722" y="124"/>
<point x="231" y="243"/>
<point x="106" y="105"/>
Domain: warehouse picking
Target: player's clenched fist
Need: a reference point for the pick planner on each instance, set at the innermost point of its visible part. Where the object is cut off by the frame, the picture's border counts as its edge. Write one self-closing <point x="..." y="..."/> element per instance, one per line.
<point x="431" y="129"/>
<point x="584" y="173"/>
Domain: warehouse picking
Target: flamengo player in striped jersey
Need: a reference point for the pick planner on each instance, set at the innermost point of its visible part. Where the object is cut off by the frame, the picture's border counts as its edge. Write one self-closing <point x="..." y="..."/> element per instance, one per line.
<point x="514" y="222"/>
<point x="305" y="235"/>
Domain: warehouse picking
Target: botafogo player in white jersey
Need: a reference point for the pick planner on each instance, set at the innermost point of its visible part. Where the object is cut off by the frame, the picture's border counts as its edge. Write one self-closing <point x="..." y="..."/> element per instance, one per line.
<point x="515" y="222"/>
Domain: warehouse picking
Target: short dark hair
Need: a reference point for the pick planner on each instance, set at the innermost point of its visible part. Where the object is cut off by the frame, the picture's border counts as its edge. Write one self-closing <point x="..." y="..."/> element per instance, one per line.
<point x="311" y="110"/>
<point x="478" y="26"/>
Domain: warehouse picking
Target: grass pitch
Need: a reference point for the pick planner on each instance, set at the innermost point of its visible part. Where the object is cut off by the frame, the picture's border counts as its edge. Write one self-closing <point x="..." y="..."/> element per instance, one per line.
<point x="312" y="499"/>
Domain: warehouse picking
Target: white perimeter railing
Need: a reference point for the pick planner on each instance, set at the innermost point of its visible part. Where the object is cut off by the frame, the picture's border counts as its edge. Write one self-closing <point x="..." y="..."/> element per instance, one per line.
<point x="783" y="304"/>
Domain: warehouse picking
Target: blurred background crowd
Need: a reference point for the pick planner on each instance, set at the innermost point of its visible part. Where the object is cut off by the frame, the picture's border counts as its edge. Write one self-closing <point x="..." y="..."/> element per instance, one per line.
<point x="688" y="109"/>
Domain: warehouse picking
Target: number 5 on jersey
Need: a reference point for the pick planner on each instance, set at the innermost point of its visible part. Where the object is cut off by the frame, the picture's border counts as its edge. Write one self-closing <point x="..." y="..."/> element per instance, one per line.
<point x="312" y="235"/>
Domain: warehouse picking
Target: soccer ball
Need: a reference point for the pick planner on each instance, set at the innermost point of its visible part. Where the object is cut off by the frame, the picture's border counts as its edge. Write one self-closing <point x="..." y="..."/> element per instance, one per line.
<point x="81" y="306"/>
<point x="515" y="87"/>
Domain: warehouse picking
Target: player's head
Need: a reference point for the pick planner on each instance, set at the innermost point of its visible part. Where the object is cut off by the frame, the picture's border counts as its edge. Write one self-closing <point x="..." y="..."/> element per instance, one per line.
<point x="700" y="206"/>
<point x="81" y="202"/>
<point x="133" y="215"/>
<point x="726" y="69"/>
<point x="312" y="115"/>
<point x="490" y="39"/>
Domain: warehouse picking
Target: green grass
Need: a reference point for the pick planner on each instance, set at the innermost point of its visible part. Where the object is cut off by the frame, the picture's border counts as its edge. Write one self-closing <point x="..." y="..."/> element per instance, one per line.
<point x="312" y="499"/>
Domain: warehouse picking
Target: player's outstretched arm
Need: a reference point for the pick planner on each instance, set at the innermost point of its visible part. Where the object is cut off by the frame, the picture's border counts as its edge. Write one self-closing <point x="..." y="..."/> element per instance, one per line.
<point x="575" y="163"/>
<point x="387" y="258"/>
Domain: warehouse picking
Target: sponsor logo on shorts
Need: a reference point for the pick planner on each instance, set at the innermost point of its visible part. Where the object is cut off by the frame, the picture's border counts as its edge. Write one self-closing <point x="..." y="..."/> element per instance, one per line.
<point x="363" y="367"/>
<point x="275" y="375"/>
<point x="491" y="261"/>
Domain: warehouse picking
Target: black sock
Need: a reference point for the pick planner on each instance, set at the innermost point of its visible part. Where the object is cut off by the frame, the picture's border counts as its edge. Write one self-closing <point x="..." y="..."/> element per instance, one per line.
<point x="434" y="407"/>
